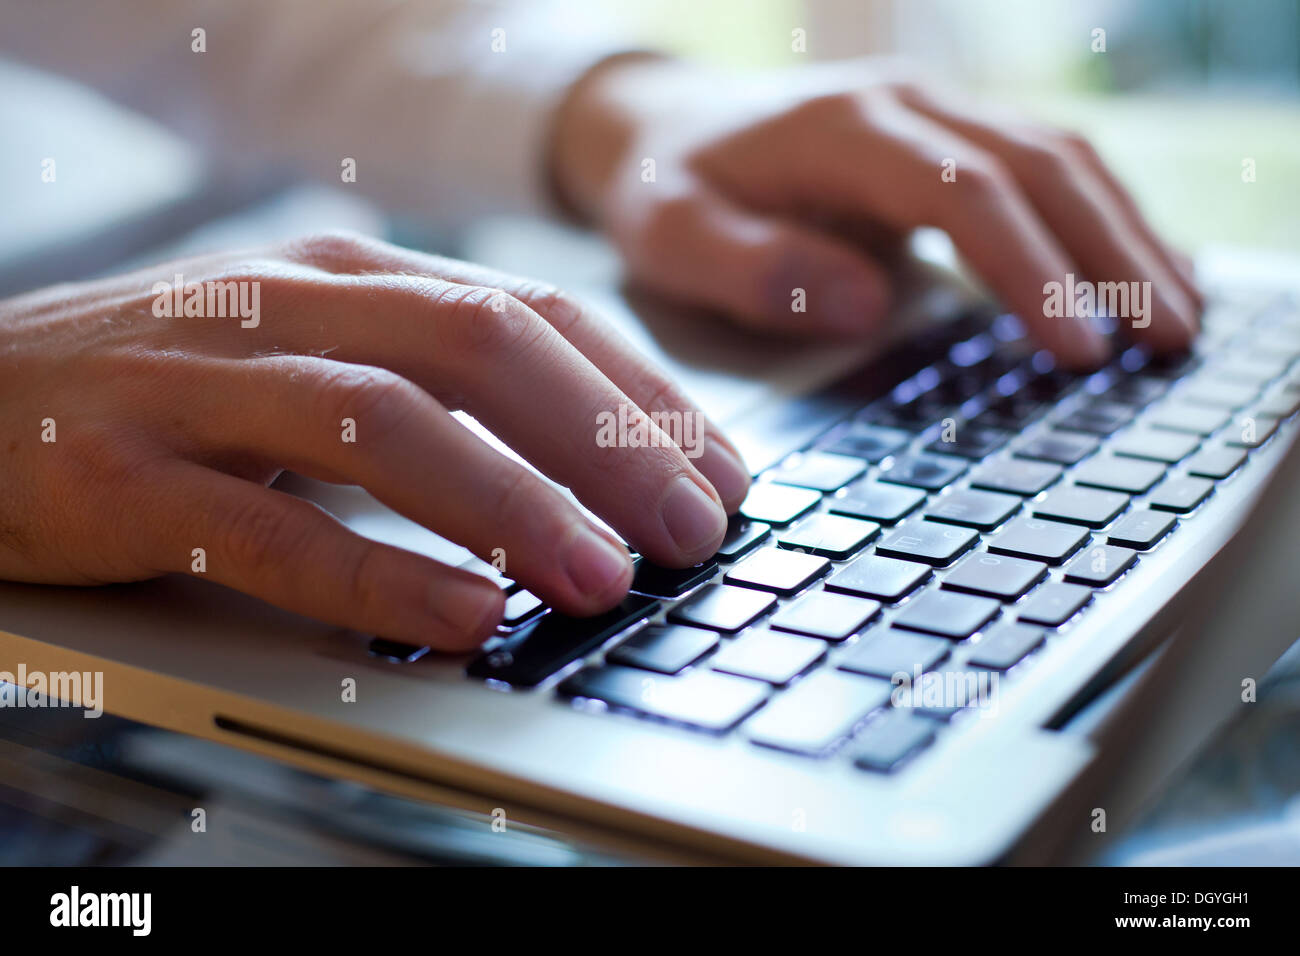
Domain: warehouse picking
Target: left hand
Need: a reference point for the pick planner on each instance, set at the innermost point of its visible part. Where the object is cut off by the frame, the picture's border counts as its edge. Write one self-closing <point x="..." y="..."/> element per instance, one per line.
<point x="732" y="194"/>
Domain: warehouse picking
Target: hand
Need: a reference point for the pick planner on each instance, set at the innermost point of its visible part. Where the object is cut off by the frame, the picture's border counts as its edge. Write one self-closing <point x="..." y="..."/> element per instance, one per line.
<point x="167" y="429"/>
<point x="806" y="179"/>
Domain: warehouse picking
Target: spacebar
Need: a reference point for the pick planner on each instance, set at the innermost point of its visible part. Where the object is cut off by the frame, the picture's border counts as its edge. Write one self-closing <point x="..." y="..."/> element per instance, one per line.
<point x="532" y="654"/>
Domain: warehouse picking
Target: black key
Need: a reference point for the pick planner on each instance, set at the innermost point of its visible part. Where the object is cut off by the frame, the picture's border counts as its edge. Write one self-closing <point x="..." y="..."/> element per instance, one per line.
<point x="818" y="712"/>
<point x="1062" y="448"/>
<point x="890" y="739"/>
<point x="826" y="614"/>
<point x="1005" y="645"/>
<point x="1098" y="418"/>
<point x="940" y="694"/>
<point x="1039" y="540"/>
<point x="923" y="470"/>
<point x="1131" y="475"/>
<point x="742" y="537"/>
<point x="701" y="699"/>
<point x="768" y="656"/>
<point x="397" y="650"/>
<point x="1215" y="462"/>
<point x="927" y="541"/>
<point x="722" y="608"/>
<point x="1011" y="413"/>
<point x="1156" y="444"/>
<point x="778" y="504"/>
<point x="1196" y="419"/>
<point x="1091" y="507"/>
<point x="520" y="606"/>
<point x="1053" y="604"/>
<point x="819" y="471"/>
<point x="1138" y="390"/>
<point x="1100" y="565"/>
<point x="971" y="441"/>
<point x="996" y="576"/>
<point x="916" y="415"/>
<point x="1141" y="529"/>
<point x="1180" y="494"/>
<point x="984" y="510"/>
<point x="1251" y="431"/>
<point x="947" y="614"/>
<point x="878" y="501"/>
<point x="536" y="651"/>
<point x="666" y="649"/>
<point x="1017" y="476"/>
<point x="669" y="582"/>
<point x="831" y="536"/>
<point x="890" y="652"/>
<point x="771" y="569"/>
<point x="869" y="442"/>
<point x="886" y="579"/>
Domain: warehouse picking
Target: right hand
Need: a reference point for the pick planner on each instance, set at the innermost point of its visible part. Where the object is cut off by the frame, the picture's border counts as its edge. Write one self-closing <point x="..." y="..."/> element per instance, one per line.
<point x="168" y="430"/>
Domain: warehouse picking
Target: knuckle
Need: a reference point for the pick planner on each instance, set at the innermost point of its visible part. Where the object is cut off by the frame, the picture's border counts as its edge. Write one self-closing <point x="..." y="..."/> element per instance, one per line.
<point x="486" y="323"/>
<point x="331" y="247"/>
<point x="366" y="577"/>
<point x="380" y="399"/>
<point x="564" y="312"/>
<point x="833" y="108"/>
<point x="260" y="537"/>
<point x="983" y="179"/>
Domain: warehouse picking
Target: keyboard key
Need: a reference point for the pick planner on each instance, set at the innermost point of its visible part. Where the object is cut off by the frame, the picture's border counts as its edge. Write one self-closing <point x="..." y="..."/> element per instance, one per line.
<point x="1100" y="565"/>
<point x="923" y="470"/>
<point x="886" y="579"/>
<point x="768" y="656"/>
<point x="927" y="541"/>
<point x="1280" y="403"/>
<point x="817" y="712"/>
<point x="984" y="510"/>
<point x="1011" y="413"/>
<point x="888" y="652"/>
<point x="869" y="442"/>
<point x="397" y="650"/>
<point x="1250" y="431"/>
<point x="1155" y="444"/>
<point x="520" y="606"/>
<point x="1098" y="418"/>
<point x="1038" y="540"/>
<point x="1141" y="529"/>
<point x="772" y="569"/>
<point x="889" y="739"/>
<point x="1138" y="390"/>
<point x="539" y="649"/>
<point x="722" y="608"/>
<point x="1091" y="507"/>
<point x="947" y="614"/>
<point x="940" y="694"/>
<point x="666" y="649"/>
<point x="1017" y="476"/>
<point x="701" y="699"/>
<point x="826" y="614"/>
<point x="1062" y="448"/>
<point x="1131" y="475"/>
<point x="831" y="536"/>
<point x="1233" y="396"/>
<point x="778" y="504"/>
<point x="742" y="537"/>
<point x="668" y="582"/>
<point x="819" y="471"/>
<point x="1180" y="494"/>
<point x="971" y="441"/>
<point x="1197" y="419"/>
<point x="1005" y="645"/>
<point x="1215" y="462"/>
<point x="878" y="501"/>
<point x="996" y="576"/>
<point x="1053" y="604"/>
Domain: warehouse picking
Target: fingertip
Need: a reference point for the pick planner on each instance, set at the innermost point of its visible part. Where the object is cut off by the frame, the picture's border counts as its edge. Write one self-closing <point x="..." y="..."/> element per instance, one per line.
<point x="599" y="572"/>
<point x="721" y="464"/>
<point x="466" y="610"/>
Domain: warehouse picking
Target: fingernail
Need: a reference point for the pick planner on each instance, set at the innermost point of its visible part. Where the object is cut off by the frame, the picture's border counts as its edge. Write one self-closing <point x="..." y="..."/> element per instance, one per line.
<point x="465" y="607"/>
<point x="729" y="477"/>
<point x="594" y="564"/>
<point x="693" y="519"/>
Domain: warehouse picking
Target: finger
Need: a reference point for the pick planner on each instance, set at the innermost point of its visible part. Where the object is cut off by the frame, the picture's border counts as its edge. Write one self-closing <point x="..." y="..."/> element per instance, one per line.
<point x="644" y="383"/>
<point x="370" y="427"/>
<point x="1081" y="210"/>
<point x="291" y="553"/>
<point x="484" y="351"/>
<point x="890" y="168"/>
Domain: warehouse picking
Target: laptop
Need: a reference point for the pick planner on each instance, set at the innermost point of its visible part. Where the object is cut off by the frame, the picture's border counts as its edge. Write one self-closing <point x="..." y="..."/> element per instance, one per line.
<point x="974" y="610"/>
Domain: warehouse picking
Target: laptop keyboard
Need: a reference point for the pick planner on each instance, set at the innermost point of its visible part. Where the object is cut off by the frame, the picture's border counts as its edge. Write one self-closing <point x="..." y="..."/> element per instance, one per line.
<point x="947" y="532"/>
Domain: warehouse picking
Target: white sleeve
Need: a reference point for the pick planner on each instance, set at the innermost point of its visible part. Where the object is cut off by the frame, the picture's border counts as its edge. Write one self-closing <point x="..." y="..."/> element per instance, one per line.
<point x="444" y="105"/>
